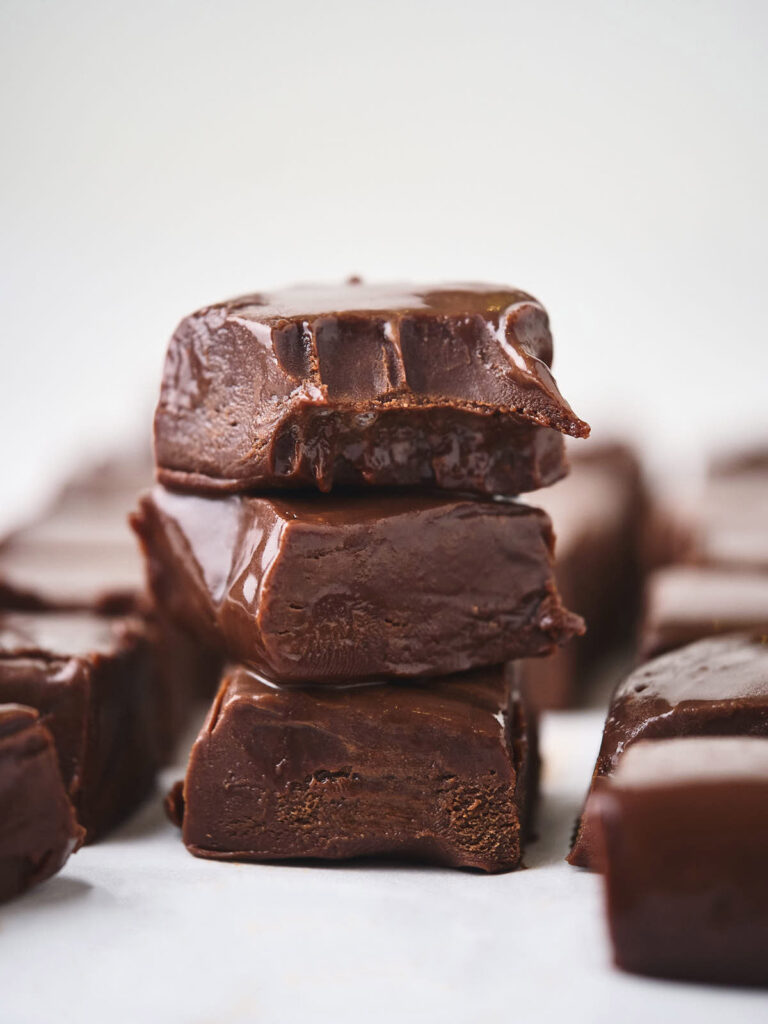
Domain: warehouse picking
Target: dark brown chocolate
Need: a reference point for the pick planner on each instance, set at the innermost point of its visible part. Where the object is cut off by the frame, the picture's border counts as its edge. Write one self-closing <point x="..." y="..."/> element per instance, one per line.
<point x="355" y="385"/>
<point x="92" y="681"/>
<point x="359" y="586"/>
<point x="598" y="516"/>
<point x="715" y="687"/>
<point x="38" y="829"/>
<point x="443" y="771"/>
<point x="683" y="826"/>
<point x="685" y="603"/>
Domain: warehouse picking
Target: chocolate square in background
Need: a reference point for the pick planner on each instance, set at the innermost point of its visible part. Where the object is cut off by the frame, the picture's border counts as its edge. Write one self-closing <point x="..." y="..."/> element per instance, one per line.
<point x="92" y="680"/>
<point x="683" y="829"/>
<point x="38" y="828"/>
<point x="715" y="687"/>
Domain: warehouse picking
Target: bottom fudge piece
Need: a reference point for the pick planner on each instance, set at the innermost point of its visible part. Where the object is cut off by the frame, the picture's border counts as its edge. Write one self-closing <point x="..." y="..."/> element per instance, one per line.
<point x="683" y="825"/>
<point x="91" y="679"/>
<point x="38" y="829"/>
<point x="687" y="602"/>
<point x="444" y="771"/>
<point x="715" y="687"/>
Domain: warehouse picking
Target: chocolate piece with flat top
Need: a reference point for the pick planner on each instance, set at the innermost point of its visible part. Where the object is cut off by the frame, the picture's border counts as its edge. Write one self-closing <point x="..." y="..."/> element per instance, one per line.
<point x="356" y="587"/>
<point x="443" y="771"/>
<point x="715" y="687"/>
<point x="685" y="603"/>
<point x="91" y="680"/>
<point x="38" y="829"/>
<point x="683" y="826"/>
<point x="447" y="387"/>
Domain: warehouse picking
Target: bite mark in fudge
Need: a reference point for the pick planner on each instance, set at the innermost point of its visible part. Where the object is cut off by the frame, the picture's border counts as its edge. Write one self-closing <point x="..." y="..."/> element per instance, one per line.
<point x="359" y="385"/>
<point x="356" y="587"/>
<point x="686" y="603"/>
<point x="38" y="829"/>
<point x="91" y="679"/>
<point x="442" y="772"/>
<point x="683" y="827"/>
<point x="715" y="687"/>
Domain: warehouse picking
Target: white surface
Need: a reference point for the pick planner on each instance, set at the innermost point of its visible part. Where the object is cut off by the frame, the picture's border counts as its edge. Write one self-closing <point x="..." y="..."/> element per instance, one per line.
<point x="609" y="156"/>
<point x="136" y="929"/>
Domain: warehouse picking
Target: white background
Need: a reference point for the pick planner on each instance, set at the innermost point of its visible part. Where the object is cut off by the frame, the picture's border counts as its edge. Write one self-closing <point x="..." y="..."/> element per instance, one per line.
<point x="610" y="157"/>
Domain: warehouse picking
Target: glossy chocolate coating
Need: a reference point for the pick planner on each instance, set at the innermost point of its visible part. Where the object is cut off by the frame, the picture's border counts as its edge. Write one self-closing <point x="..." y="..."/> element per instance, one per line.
<point x="597" y="513"/>
<point x="715" y="687"/>
<point x="683" y="827"/>
<point x="92" y="681"/>
<point x="38" y="829"/>
<point x="357" y="385"/>
<point x="686" y="603"/>
<point x="443" y="771"/>
<point x="356" y="587"/>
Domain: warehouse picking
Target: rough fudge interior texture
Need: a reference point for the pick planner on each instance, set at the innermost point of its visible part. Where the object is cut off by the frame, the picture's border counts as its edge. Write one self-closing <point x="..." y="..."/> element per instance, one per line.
<point x="356" y="586"/>
<point x="598" y="517"/>
<point x="683" y="825"/>
<point x="715" y="687"/>
<point x="390" y="385"/>
<point x="91" y="679"/>
<point x="443" y="771"/>
<point x="686" y="603"/>
<point x="38" y="829"/>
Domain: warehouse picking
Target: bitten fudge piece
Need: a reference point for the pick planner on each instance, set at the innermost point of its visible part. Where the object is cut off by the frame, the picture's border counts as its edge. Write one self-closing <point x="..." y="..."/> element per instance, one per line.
<point x="38" y="829"/>
<point x="443" y="771"/>
<point x="392" y="385"/>
<point x="91" y="680"/>
<point x="597" y="513"/>
<point x="356" y="587"/>
<point x="715" y="687"/>
<point x="686" y="603"/>
<point x="683" y="825"/>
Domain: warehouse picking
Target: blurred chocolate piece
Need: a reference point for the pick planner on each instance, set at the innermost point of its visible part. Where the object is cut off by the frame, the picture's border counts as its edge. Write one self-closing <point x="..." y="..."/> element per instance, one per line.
<point x="683" y="825"/>
<point x="715" y="687"/>
<point x="685" y="603"/>
<point x="443" y="771"/>
<point x="92" y="680"/>
<point x="38" y="829"/>
<point x="445" y="387"/>
<point x="356" y="587"/>
<point x="598" y="514"/>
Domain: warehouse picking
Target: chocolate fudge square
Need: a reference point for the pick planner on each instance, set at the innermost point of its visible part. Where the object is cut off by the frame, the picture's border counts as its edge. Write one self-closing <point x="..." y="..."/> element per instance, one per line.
<point x="392" y="385"/>
<point x="443" y="772"/>
<point x="38" y="828"/>
<point x="91" y="679"/>
<point x="684" y="828"/>
<point x="359" y="586"/>
<point x="685" y="603"/>
<point x="715" y="687"/>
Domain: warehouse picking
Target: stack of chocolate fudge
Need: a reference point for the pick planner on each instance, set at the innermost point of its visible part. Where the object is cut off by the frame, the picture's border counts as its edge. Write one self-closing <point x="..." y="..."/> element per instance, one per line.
<point x="336" y="514"/>
<point x="90" y="672"/>
<point x="677" y="810"/>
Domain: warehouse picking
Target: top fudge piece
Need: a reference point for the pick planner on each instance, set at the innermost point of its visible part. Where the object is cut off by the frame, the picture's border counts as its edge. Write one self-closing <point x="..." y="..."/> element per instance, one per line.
<point x="715" y="687"/>
<point x="359" y="385"/>
<point x="684" y="833"/>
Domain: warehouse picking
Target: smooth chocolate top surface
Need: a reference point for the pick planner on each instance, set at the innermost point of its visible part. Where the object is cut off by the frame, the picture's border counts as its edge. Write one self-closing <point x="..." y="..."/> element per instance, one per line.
<point x="728" y="668"/>
<point x="690" y="760"/>
<point x="356" y="587"/>
<point x="62" y="635"/>
<point x="499" y="352"/>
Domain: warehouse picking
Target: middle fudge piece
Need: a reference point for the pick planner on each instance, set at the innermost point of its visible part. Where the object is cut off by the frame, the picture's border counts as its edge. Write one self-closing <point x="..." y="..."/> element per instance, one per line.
<point x="356" y="587"/>
<point x="443" y="771"/>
